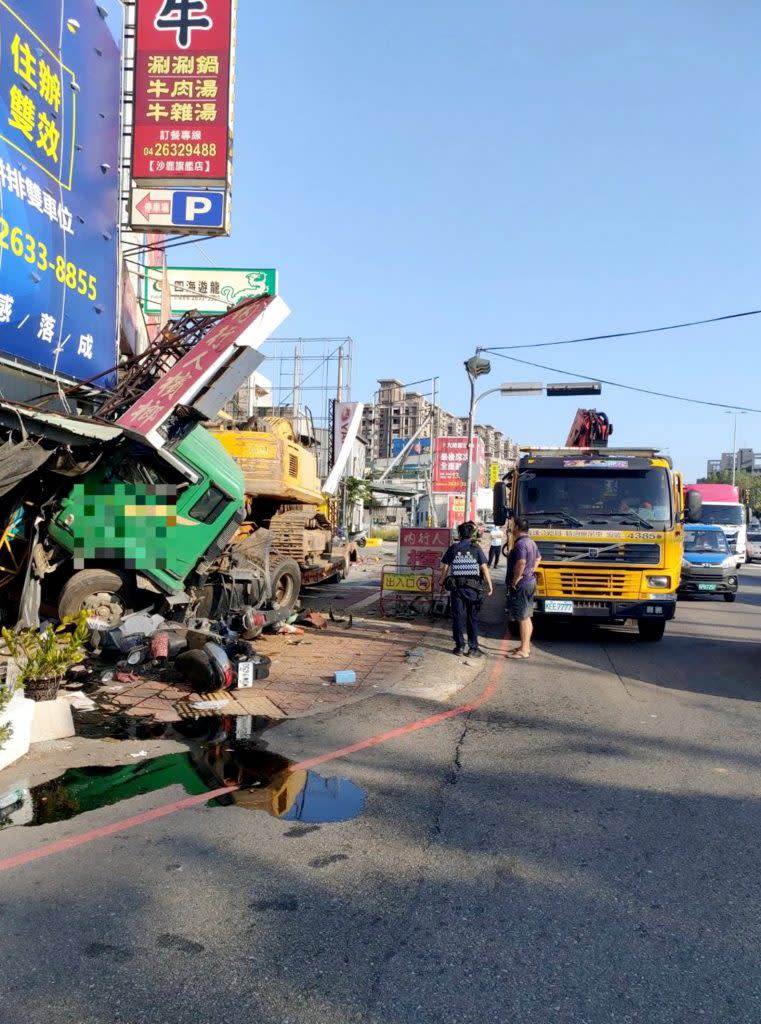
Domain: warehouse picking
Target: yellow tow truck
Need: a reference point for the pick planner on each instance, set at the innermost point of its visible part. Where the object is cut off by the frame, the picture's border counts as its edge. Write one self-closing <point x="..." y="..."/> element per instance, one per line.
<point x="609" y="523"/>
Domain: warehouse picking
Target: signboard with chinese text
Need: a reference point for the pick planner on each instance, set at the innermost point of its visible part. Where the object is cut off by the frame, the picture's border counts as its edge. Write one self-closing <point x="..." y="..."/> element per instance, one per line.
<point x="59" y="187"/>
<point x="493" y="474"/>
<point x="422" y="547"/>
<point x="450" y="455"/>
<point x="456" y="510"/>
<point x="408" y="582"/>
<point x="405" y="592"/>
<point x="182" y="98"/>
<point x="174" y="210"/>
<point x="207" y="289"/>
<point x="246" y="327"/>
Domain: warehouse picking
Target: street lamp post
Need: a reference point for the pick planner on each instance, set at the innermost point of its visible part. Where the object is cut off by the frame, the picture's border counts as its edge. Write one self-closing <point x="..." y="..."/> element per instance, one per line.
<point x="476" y="367"/>
<point x="735" y="413"/>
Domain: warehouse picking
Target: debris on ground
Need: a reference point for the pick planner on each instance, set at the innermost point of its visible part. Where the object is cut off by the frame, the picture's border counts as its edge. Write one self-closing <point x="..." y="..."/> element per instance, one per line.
<point x="345" y="677"/>
<point x="348" y="619"/>
<point x="291" y="630"/>
<point x="80" y="701"/>
<point x="133" y="631"/>
<point x="315" y="619"/>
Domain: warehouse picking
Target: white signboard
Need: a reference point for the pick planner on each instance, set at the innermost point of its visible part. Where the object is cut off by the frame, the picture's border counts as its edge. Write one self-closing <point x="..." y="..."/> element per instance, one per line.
<point x="347" y="419"/>
<point x="180" y="211"/>
<point x="207" y="289"/>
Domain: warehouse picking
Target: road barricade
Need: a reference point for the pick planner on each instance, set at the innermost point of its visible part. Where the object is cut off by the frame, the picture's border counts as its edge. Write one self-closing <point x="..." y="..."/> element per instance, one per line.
<point x="406" y="592"/>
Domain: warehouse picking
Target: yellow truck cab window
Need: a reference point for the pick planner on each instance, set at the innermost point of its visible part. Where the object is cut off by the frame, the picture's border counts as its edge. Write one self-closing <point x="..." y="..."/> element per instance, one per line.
<point x="590" y="495"/>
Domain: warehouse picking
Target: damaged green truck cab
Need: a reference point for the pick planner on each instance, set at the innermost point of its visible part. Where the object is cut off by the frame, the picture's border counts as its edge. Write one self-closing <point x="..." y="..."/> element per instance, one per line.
<point x="141" y="513"/>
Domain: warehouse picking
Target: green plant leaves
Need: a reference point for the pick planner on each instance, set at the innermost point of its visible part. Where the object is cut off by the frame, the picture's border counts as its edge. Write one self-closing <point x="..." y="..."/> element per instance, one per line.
<point x="48" y="653"/>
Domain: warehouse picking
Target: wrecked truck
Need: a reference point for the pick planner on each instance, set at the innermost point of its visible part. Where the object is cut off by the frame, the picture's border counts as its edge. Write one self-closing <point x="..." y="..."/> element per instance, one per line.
<point x="142" y="512"/>
<point x="138" y="531"/>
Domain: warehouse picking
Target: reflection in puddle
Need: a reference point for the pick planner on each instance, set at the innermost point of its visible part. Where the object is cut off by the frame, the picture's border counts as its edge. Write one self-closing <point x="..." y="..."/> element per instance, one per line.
<point x="267" y="782"/>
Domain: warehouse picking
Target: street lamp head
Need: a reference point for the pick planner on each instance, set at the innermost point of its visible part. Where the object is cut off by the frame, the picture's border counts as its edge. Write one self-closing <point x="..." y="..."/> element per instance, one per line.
<point x="477" y="367"/>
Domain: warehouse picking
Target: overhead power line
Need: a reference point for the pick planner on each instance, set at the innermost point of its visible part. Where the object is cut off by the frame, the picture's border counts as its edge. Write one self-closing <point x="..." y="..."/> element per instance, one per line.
<point x="622" y="334"/>
<point x="626" y="387"/>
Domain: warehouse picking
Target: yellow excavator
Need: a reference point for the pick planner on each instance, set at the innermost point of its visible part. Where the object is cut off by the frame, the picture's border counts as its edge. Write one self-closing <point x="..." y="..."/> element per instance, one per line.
<point x="284" y="495"/>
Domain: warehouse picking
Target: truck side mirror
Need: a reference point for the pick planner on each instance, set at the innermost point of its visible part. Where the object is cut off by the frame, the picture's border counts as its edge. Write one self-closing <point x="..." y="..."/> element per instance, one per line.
<point x="693" y="507"/>
<point x="501" y="510"/>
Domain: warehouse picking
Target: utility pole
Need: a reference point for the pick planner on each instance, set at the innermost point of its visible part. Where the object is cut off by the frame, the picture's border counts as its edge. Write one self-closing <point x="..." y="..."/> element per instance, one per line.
<point x="474" y="368"/>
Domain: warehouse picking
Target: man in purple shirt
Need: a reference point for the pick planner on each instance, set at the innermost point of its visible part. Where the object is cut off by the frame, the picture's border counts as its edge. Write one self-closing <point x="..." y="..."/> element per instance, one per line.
<point x="522" y="561"/>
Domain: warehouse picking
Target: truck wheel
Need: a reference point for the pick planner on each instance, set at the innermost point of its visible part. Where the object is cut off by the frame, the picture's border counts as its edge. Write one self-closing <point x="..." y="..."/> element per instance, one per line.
<point x="99" y="591"/>
<point x="730" y="597"/>
<point x="341" y="575"/>
<point x="651" y="629"/>
<point x="286" y="582"/>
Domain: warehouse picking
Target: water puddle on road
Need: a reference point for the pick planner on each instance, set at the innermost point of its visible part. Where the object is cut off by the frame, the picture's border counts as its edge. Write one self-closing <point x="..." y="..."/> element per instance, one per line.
<point x="267" y="782"/>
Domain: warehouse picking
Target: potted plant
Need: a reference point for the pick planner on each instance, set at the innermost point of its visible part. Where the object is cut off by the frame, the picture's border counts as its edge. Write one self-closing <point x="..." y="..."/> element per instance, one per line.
<point x="45" y="655"/>
<point x="5" y="728"/>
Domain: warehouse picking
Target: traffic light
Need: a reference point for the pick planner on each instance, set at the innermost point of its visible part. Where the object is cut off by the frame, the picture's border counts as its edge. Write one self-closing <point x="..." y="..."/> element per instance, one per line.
<point x="574" y="387"/>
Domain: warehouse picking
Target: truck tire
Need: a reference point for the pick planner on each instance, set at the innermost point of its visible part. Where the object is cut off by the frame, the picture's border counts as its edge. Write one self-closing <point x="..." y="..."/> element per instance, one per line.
<point x="730" y="597"/>
<point x="100" y="591"/>
<point x="286" y="582"/>
<point x="341" y="575"/>
<point x="651" y="629"/>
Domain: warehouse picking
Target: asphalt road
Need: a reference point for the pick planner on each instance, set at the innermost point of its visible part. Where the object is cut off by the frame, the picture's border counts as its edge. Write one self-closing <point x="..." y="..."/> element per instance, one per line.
<point x="582" y="849"/>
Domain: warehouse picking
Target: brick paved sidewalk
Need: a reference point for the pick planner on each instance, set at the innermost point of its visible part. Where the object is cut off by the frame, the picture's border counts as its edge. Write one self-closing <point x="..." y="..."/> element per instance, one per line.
<point x="301" y="675"/>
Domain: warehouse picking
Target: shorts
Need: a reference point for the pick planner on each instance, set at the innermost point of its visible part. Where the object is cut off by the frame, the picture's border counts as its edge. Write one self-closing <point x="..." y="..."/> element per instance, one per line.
<point x="520" y="602"/>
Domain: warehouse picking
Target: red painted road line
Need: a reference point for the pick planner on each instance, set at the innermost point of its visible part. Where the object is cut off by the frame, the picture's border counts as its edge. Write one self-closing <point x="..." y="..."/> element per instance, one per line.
<point x="193" y="801"/>
<point x="423" y="723"/>
<point x="109" y="830"/>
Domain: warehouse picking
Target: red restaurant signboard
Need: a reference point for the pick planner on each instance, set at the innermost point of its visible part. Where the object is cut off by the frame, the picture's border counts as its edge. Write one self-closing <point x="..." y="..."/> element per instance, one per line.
<point x="245" y="325"/>
<point x="182" y="99"/>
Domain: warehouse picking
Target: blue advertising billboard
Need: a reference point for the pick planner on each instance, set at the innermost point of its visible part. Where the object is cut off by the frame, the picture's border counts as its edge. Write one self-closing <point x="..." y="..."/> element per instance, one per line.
<point x="60" y="84"/>
<point x="421" y="447"/>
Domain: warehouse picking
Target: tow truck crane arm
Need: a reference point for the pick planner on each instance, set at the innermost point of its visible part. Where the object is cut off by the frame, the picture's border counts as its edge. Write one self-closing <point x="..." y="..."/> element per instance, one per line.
<point x="590" y="429"/>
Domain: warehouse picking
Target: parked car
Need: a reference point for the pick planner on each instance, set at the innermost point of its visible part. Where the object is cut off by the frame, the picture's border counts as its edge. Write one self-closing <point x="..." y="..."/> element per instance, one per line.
<point x="754" y="546"/>
<point x="708" y="566"/>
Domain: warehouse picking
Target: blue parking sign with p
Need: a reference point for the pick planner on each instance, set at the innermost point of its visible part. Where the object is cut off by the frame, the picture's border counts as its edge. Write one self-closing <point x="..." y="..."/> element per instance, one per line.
<point x="198" y="209"/>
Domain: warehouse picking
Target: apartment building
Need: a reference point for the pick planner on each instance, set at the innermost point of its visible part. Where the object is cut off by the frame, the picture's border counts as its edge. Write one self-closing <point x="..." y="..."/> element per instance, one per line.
<point x="748" y="461"/>
<point x="398" y="414"/>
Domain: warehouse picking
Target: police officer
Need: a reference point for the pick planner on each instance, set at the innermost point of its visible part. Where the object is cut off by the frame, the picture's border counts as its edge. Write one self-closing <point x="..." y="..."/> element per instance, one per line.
<point x="465" y="573"/>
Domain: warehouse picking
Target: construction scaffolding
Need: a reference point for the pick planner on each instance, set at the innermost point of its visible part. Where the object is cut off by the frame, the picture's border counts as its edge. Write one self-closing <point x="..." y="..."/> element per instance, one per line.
<point x="308" y="373"/>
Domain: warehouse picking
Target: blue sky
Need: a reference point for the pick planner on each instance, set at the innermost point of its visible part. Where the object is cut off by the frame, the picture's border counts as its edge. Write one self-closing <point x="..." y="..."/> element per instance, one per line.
<point x="429" y="177"/>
